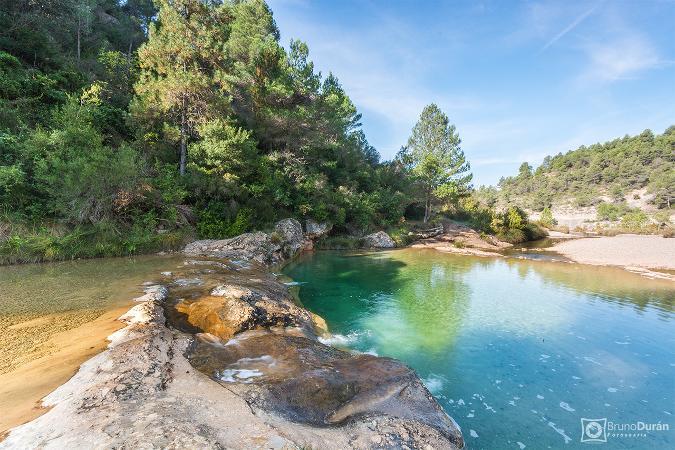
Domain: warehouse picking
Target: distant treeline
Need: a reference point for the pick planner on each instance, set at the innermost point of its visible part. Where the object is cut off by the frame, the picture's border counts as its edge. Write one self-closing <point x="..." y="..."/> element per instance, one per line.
<point x="612" y="169"/>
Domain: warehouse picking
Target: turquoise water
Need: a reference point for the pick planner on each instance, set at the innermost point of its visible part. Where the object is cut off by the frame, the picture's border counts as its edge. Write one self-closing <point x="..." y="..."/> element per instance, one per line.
<point x="518" y="352"/>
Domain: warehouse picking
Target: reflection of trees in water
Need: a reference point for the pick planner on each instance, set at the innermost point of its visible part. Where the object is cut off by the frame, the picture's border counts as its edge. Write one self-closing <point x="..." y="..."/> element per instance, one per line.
<point x="342" y="287"/>
<point x="426" y="312"/>
<point x="606" y="283"/>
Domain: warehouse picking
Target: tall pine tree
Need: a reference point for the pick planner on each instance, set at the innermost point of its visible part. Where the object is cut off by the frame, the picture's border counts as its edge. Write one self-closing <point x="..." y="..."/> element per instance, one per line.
<point x="436" y="159"/>
<point x="181" y="81"/>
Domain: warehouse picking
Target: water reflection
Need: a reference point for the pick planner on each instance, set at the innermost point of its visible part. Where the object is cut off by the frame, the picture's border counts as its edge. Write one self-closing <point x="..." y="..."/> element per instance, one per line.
<point x="516" y="350"/>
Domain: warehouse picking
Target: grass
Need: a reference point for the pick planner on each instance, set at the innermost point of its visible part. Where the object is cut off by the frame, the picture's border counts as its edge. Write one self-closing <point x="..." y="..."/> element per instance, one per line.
<point x="25" y="244"/>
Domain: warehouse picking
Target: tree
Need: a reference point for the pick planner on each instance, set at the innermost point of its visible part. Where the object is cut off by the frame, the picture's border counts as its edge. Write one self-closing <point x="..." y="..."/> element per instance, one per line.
<point x="181" y="63"/>
<point x="436" y="159"/>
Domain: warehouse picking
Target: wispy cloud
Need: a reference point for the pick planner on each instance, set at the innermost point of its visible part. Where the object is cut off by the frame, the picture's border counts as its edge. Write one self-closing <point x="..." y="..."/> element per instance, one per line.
<point x="570" y="27"/>
<point x="622" y="58"/>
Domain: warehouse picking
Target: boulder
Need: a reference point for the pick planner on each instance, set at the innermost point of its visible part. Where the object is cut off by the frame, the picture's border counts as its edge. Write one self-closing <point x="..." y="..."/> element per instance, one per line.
<point x="315" y="230"/>
<point x="305" y="381"/>
<point x="256" y="246"/>
<point x="290" y="232"/>
<point x="233" y="308"/>
<point x="378" y="240"/>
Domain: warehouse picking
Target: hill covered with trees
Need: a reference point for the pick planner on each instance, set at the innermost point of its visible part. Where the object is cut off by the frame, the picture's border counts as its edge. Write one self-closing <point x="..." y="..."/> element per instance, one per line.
<point x="629" y="174"/>
<point x="133" y="126"/>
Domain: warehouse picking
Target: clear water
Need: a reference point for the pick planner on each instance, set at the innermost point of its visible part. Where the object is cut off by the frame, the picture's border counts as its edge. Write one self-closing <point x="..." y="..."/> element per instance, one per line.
<point x="518" y="352"/>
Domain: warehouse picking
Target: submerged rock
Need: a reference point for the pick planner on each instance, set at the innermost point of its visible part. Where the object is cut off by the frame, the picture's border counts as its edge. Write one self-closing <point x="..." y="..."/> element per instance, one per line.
<point x="378" y="240"/>
<point x="306" y="381"/>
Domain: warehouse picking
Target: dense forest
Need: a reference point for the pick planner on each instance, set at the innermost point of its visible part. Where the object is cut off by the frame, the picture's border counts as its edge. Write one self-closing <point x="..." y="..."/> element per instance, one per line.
<point x="131" y="126"/>
<point x="600" y="173"/>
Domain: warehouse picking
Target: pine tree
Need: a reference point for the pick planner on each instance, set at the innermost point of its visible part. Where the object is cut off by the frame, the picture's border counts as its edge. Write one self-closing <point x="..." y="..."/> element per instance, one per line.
<point x="436" y="159"/>
<point x="181" y="67"/>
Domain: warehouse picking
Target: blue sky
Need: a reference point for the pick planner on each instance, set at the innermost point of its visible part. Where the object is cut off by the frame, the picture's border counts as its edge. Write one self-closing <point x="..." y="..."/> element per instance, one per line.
<point x="520" y="80"/>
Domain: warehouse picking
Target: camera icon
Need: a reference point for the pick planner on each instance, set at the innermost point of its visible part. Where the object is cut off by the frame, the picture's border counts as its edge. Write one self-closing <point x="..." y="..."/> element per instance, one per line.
<point x="593" y="430"/>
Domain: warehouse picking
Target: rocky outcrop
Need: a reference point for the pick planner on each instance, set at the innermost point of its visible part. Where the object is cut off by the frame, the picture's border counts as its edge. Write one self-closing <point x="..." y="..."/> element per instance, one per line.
<point x="292" y="238"/>
<point x="143" y="393"/>
<point x="308" y="382"/>
<point x="314" y="230"/>
<point x="239" y="366"/>
<point x="462" y="240"/>
<point x="257" y="246"/>
<point x="231" y="309"/>
<point x="263" y="248"/>
<point x="378" y="240"/>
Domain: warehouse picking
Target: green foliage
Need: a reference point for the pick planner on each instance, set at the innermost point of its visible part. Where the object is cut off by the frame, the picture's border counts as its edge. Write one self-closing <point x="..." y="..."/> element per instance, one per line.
<point x="634" y="220"/>
<point x="337" y="243"/>
<point x="612" y="168"/>
<point x="612" y="211"/>
<point x="436" y="159"/>
<point x="546" y="219"/>
<point x="85" y="179"/>
<point x="214" y="222"/>
<point x="84" y="241"/>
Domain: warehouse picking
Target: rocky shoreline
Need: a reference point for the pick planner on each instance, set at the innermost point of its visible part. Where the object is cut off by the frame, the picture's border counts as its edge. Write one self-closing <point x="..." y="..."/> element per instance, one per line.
<point x="219" y="354"/>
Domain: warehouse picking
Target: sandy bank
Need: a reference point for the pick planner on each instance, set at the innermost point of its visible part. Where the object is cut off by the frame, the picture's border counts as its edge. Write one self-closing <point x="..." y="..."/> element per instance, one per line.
<point x="22" y="388"/>
<point x="626" y="250"/>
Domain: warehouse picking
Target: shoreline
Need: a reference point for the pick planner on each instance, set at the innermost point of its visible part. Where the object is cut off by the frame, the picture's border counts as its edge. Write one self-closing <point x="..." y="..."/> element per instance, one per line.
<point x="99" y="336"/>
<point x="22" y="389"/>
<point x="652" y="256"/>
<point x="148" y="386"/>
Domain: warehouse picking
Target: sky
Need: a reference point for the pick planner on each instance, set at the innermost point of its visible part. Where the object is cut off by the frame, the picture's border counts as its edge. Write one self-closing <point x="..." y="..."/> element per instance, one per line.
<point x="520" y="80"/>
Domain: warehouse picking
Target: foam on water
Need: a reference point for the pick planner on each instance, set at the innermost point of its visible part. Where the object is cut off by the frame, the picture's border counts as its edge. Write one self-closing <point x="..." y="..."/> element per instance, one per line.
<point x="239" y="375"/>
<point x="561" y="432"/>
<point x="566" y="407"/>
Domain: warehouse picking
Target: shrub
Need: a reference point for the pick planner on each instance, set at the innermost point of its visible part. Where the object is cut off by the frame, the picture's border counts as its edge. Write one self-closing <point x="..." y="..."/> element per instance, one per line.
<point x="546" y="219"/>
<point x="611" y="211"/>
<point x="634" y="220"/>
<point x="338" y="243"/>
<point x="213" y="222"/>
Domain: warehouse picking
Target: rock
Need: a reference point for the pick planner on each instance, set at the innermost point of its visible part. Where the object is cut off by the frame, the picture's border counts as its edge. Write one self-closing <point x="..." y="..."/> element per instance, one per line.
<point x="308" y="382"/>
<point x="259" y="247"/>
<point x="256" y="246"/>
<point x="315" y="230"/>
<point x="231" y="309"/>
<point x="142" y="392"/>
<point x="378" y="240"/>
<point x="291" y="235"/>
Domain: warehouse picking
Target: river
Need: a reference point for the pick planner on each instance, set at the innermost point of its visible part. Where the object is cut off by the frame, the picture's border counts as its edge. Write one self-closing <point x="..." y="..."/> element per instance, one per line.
<point x="518" y="352"/>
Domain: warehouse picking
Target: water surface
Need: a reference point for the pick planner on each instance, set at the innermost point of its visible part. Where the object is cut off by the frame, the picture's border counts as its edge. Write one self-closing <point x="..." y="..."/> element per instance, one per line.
<point x="516" y="351"/>
<point x="55" y="316"/>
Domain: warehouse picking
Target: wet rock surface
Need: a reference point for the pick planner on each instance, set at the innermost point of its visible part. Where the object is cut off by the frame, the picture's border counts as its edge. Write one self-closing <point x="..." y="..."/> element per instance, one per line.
<point x="263" y="380"/>
<point x="308" y="382"/>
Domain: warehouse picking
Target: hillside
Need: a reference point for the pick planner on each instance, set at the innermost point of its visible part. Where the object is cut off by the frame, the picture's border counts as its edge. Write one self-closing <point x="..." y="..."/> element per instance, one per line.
<point x="629" y="179"/>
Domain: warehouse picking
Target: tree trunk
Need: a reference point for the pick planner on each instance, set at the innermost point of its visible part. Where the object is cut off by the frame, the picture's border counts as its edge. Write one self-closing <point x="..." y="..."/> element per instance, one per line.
<point x="183" y="143"/>
<point x="427" y="208"/>
<point x="79" y="32"/>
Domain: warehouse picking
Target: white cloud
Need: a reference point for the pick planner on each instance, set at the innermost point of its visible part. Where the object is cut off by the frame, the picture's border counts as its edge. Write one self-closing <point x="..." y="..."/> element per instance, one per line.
<point x="622" y="58"/>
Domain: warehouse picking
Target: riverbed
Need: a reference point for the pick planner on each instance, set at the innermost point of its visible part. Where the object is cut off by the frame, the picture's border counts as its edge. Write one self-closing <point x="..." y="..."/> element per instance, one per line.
<point x="517" y="351"/>
<point x="55" y="316"/>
